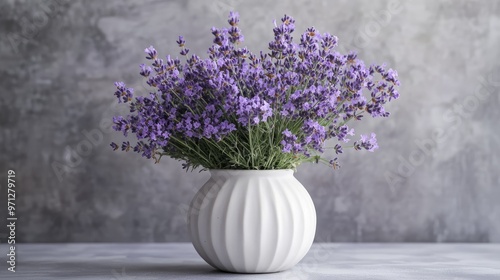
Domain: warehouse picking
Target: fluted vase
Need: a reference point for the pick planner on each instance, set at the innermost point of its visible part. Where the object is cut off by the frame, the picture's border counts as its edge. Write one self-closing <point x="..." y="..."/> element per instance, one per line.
<point x="252" y="221"/>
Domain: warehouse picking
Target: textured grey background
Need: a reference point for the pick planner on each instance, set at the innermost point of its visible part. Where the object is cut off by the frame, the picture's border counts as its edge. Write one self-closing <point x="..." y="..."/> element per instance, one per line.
<point x="59" y="61"/>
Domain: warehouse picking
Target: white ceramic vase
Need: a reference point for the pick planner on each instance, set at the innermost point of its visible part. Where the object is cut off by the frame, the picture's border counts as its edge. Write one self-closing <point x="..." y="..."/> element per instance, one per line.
<point x="252" y="221"/>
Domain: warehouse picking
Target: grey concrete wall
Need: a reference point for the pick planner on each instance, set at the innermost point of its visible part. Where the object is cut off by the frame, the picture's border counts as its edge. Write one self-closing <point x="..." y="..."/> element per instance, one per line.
<point x="59" y="61"/>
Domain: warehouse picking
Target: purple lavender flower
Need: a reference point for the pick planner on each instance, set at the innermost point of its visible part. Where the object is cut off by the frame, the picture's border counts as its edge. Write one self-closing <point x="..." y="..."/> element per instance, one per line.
<point x="334" y="163"/>
<point x="289" y="142"/>
<point x="369" y="144"/>
<point x="234" y="18"/>
<point x="145" y="71"/>
<point x="151" y="53"/>
<point x="114" y="146"/>
<point x="181" y="41"/>
<point x="214" y="111"/>
<point x="126" y="146"/>
<point x="338" y="149"/>
<point x="123" y="93"/>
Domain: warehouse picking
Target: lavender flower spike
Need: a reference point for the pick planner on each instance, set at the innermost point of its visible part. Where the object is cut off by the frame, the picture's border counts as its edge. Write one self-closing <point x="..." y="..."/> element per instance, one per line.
<point x="151" y="52"/>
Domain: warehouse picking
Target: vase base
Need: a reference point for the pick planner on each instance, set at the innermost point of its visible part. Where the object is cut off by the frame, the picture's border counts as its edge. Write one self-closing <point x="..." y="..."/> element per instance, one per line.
<point x="249" y="272"/>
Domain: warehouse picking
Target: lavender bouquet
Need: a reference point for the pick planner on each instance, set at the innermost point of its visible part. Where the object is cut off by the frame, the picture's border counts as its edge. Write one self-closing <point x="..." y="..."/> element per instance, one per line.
<point x="241" y="110"/>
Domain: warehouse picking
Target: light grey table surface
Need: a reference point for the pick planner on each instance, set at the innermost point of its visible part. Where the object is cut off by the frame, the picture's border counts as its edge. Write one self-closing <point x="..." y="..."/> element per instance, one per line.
<point x="121" y="261"/>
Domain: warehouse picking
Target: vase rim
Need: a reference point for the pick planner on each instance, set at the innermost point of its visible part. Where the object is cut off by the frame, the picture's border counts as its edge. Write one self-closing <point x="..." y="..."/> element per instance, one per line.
<point x="233" y="172"/>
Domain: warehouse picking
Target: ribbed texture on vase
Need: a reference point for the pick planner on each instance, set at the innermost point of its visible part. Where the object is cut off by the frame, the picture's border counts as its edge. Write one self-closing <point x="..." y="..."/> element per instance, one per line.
<point x="252" y="221"/>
